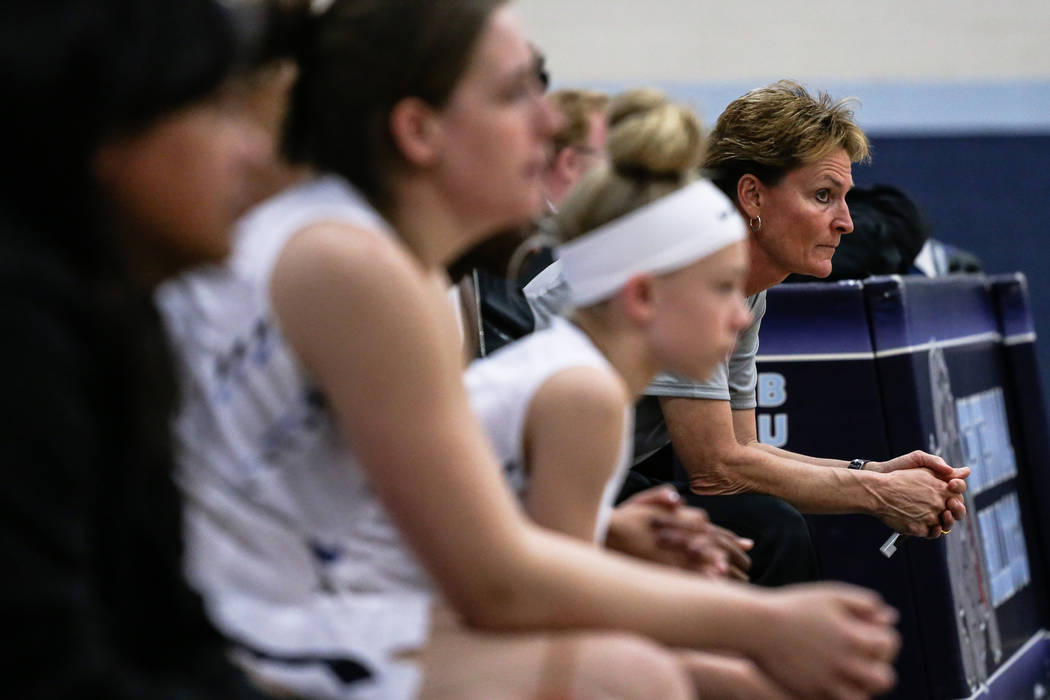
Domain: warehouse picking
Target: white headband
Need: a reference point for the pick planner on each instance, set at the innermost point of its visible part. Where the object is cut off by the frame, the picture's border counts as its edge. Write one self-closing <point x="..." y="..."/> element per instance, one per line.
<point x="660" y="237"/>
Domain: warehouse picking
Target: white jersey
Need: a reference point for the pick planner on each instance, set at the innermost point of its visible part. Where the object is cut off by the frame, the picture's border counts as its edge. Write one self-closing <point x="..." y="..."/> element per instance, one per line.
<point x="502" y="387"/>
<point x="285" y="539"/>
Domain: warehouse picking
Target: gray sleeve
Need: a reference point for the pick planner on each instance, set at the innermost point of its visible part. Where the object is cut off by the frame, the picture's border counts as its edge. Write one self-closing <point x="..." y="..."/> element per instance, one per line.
<point x="743" y="373"/>
<point x="673" y="385"/>
<point x="732" y="381"/>
<point x="547" y="294"/>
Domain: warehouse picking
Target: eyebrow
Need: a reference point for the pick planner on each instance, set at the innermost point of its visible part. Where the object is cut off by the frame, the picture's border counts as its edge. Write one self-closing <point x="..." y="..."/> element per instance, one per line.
<point x="836" y="182"/>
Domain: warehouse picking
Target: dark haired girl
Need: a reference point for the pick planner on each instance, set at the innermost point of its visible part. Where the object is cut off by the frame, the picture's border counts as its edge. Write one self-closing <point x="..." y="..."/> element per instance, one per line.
<point x="127" y="159"/>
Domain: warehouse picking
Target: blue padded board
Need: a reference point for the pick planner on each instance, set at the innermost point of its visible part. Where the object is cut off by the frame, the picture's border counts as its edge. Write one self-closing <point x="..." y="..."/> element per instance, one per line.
<point x="845" y="371"/>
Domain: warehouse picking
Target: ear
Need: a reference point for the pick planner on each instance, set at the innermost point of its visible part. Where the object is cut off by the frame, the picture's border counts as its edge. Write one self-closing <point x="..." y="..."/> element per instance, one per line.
<point x="416" y="130"/>
<point x="749" y="191"/>
<point x="565" y="162"/>
<point x="637" y="299"/>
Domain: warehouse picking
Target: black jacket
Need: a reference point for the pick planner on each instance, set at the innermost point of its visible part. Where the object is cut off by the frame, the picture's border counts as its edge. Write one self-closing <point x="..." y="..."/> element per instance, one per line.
<point x="94" y="602"/>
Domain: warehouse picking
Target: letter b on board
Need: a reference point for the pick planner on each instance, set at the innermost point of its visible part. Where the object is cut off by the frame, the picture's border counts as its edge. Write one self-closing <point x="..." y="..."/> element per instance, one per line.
<point x="771" y="390"/>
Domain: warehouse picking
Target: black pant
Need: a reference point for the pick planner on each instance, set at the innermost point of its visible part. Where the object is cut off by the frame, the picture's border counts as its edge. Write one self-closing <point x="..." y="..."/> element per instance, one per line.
<point x="783" y="551"/>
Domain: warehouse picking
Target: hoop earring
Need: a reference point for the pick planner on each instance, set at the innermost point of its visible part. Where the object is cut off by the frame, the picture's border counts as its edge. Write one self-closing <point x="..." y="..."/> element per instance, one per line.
<point x="755" y="224"/>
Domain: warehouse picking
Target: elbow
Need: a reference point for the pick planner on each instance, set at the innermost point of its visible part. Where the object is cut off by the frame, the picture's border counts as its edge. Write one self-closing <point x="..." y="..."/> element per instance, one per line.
<point x="718" y="469"/>
<point x="490" y="606"/>
<point x="712" y="457"/>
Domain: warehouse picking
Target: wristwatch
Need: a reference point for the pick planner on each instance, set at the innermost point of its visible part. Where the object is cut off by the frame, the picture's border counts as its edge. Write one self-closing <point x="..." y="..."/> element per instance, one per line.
<point x="857" y="463"/>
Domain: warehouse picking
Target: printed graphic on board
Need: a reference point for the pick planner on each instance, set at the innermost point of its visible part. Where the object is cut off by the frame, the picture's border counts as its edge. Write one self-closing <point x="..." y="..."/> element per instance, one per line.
<point x="985" y="436"/>
<point x="978" y="628"/>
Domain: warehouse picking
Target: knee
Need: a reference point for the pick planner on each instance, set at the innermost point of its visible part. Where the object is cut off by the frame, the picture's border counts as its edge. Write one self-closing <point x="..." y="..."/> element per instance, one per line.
<point x="630" y="666"/>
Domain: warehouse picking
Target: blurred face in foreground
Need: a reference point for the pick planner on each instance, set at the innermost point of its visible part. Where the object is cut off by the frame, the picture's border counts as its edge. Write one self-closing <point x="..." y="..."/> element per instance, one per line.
<point x="176" y="186"/>
<point x="699" y="310"/>
<point x="496" y="130"/>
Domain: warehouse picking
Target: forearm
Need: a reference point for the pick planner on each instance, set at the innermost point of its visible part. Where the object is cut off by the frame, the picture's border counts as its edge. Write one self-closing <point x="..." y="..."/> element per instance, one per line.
<point x="562" y="583"/>
<point x="533" y="578"/>
<point x="816" y="461"/>
<point x="809" y="487"/>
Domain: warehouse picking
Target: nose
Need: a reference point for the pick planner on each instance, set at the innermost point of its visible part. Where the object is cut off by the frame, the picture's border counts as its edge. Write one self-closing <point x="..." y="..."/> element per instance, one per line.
<point x="843" y="223"/>
<point x="742" y="317"/>
<point x="550" y="120"/>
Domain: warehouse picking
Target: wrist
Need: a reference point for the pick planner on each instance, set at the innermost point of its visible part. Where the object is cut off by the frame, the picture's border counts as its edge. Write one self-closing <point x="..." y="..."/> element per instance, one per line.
<point x="769" y="611"/>
<point x="865" y="487"/>
<point x="875" y="466"/>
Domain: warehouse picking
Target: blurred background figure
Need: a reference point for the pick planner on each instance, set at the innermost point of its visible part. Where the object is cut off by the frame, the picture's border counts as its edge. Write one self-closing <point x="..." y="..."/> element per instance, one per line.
<point x="579" y="144"/>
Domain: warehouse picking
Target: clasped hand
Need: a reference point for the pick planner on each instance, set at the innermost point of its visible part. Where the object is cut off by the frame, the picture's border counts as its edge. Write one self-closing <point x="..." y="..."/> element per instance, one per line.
<point x="657" y="525"/>
<point x="923" y="494"/>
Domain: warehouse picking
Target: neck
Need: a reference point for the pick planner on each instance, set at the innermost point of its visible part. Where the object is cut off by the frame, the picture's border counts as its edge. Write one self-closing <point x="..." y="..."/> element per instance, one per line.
<point x="763" y="272"/>
<point x="280" y="176"/>
<point x="426" y="223"/>
<point x="621" y="344"/>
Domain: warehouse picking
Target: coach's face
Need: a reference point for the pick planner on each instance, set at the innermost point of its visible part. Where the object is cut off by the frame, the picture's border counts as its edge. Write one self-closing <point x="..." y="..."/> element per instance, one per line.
<point x="803" y="216"/>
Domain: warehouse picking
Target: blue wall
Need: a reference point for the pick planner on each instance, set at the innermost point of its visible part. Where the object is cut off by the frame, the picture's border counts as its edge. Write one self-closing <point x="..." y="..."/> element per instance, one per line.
<point x="989" y="194"/>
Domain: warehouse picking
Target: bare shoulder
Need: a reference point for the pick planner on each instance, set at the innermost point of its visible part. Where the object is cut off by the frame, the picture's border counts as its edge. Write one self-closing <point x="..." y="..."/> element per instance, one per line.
<point x="586" y="399"/>
<point x="588" y="388"/>
<point x="345" y="293"/>
<point x="344" y="255"/>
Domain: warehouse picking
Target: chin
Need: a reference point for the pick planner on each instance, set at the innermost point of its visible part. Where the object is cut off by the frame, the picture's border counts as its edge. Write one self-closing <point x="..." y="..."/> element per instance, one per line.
<point x="521" y="213"/>
<point x="821" y="269"/>
<point x="701" y="373"/>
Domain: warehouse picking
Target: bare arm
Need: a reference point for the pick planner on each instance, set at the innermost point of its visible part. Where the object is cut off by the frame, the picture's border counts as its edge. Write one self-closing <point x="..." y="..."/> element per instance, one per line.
<point x="378" y="339"/>
<point x="955" y="507"/>
<point x="719" y="460"/>
<point x="744" y="430"/>
<point x="567" y="474"/>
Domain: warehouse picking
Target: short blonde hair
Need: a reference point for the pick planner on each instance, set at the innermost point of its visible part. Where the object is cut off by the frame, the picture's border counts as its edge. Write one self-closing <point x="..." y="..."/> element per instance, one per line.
<point x="576" y="108"/>
<point x="777" y="128"/>
<point x="654" y="145"/>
